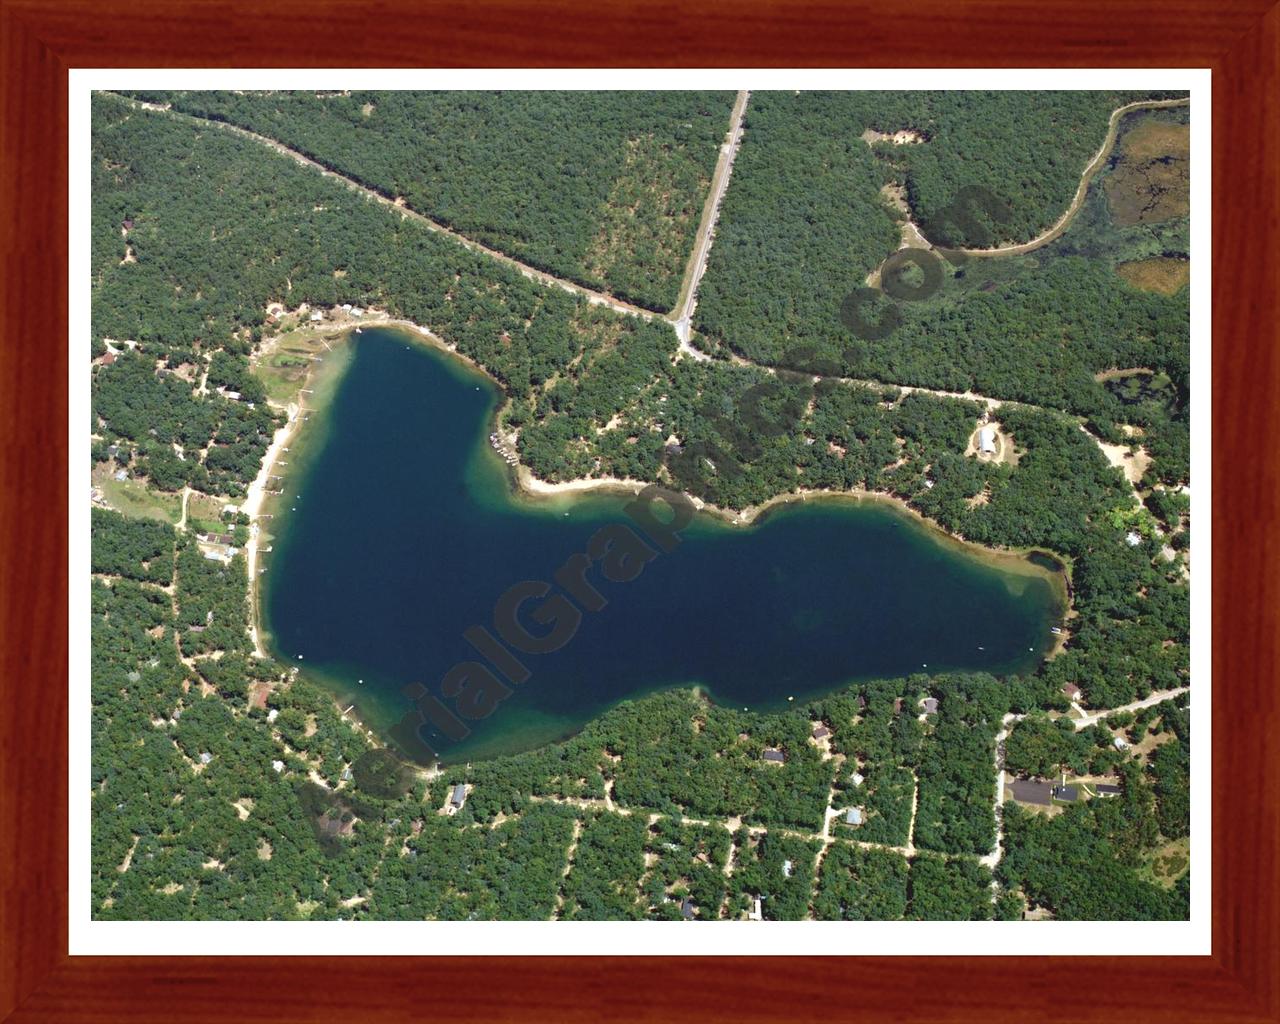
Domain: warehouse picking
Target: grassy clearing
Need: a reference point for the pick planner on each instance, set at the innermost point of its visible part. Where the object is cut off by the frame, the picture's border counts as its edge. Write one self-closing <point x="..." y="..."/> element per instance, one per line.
<point x="204" y="513"/>
<point x="134" y="498"/>
<point x="283" y="368"/>
<point x="1158" y="274"/>
<point x="1169" y="862"/>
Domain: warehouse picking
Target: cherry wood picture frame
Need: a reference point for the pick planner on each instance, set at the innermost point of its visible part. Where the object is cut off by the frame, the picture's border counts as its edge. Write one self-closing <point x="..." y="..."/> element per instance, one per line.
<point x="41" y="39"/>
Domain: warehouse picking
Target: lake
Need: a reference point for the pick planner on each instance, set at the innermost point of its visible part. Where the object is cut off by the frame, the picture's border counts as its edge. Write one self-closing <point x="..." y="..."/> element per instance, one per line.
<point x="400" y="529"/>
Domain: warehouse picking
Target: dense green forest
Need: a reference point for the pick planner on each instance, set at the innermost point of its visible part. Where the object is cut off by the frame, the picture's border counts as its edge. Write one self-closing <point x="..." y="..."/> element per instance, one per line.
<point x="663" y="808"/>
<point x="604" y="188"/>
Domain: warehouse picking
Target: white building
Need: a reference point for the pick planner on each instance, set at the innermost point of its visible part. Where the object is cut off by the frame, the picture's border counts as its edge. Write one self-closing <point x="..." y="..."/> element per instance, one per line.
<point x="987" y="441"/>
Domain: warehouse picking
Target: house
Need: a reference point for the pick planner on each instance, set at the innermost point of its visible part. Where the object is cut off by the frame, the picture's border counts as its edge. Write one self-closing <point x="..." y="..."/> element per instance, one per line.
<point x="930" y="705"/>
<point x="206" y="757"/>
<point x="1133" y="538"/>
<point x="1107" y="789"/>
<point x="278" y="765"/>
<point x="1032" y="791"/>
<point x="1120" y="743"/>
<point x="1071" y="691"/>
<point x="687" y="909"/>
<point x="853" y="816"/>
<point x="273" y="714"/>
<point x="897" y="705"/>
<point x="756" y="912"/>
<point x="774" y="756"/>
<point x="108" y="359"/>
<point x="1067" y="793"/>
<point x="856" y="778"/>
<point x="357" y="311"/>
<point x="787" y="868"/>
<point x="316" y="316"/>
<point x="987" y="441"/>
<point x="459" y="796"/>
<point x="821" y="732"/>
<point x="122" y="474"/>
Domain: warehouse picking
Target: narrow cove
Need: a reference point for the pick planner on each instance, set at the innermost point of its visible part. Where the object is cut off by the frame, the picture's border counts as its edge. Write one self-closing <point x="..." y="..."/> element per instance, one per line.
<point x="399" y="528"/>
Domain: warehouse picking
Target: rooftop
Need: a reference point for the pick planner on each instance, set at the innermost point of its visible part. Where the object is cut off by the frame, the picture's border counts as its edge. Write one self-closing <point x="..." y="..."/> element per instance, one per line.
<point x="1032" y="791"/>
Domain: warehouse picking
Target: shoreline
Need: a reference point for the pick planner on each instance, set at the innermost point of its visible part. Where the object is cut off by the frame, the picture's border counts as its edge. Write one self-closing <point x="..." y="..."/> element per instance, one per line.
<point x="526" y="486"/>
<point x="255" y="499"/>
<point x="252" y="507"/>
<point x="533" y="487"/>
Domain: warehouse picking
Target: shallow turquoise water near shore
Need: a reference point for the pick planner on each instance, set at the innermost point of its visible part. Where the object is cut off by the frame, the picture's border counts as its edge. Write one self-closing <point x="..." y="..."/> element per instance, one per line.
<point x="402" y="530"/>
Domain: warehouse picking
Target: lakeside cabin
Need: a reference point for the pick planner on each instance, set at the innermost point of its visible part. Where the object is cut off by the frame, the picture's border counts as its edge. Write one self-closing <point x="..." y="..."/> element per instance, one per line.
<point x="821" y="732"/>
<point x="930" y="705"/>
<point x="457" y="798"/>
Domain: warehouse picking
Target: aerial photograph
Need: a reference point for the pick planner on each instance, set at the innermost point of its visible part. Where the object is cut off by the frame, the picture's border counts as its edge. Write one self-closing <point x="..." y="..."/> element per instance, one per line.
<point x="640" y="506"/>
